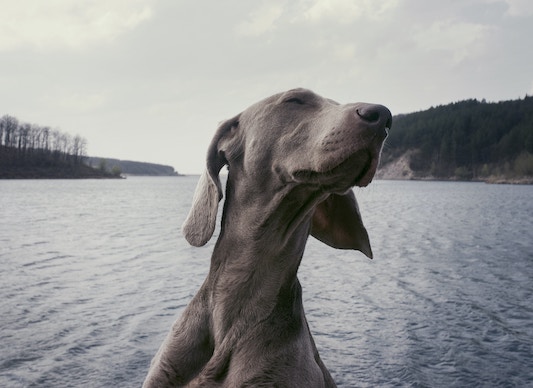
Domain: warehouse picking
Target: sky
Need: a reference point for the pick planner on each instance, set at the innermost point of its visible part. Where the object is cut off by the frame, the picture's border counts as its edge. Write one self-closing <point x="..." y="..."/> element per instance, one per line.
<point x="149" y="80"/>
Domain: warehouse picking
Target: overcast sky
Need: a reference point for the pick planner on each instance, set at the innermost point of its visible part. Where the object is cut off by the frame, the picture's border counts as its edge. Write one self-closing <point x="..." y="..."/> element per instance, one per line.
<point x="149" y="80"/>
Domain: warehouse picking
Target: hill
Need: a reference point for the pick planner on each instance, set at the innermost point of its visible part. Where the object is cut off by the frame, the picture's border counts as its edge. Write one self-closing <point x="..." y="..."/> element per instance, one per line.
<point x="37" y="164"/>
<point x="466" y="140"/>
<point x="37" y="151"/>
<point x="128" y="167"/>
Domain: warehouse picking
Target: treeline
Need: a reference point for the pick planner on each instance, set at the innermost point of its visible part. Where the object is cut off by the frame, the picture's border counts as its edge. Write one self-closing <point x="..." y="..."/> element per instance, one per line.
<point x="35" y="151"/>
<point x="128" y="167"/>
<point x="21" y="143"/>
<point x="466" y="140"/>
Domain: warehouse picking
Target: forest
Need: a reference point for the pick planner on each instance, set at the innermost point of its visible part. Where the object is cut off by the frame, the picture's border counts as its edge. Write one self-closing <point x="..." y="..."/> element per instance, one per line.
<point x="466" y="140"/>
<point x="34" y="151"/>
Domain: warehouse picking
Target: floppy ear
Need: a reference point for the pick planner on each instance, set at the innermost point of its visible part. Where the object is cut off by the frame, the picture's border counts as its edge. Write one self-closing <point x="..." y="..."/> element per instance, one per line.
<point x="337" y="222"/>
<point x="200" y="223"/>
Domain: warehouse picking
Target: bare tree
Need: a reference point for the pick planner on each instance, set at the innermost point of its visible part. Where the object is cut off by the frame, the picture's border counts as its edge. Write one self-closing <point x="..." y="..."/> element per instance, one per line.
<point x="9" y="126"/>
<point x="24" y="137"/>
<point x="78" y="149"/>
<point x="25" y="144"/>
<point x="46" y="134"/>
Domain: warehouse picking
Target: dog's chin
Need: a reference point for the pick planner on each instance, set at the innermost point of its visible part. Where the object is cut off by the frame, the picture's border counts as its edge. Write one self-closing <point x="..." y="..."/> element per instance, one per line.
<point x="367" y="174"/>
<point x="357" y="170"/>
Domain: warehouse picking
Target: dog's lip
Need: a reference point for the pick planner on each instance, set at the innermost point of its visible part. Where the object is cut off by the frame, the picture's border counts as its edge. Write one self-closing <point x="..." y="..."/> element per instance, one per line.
<point x="355" y="170"/>
<point x="366" y="173"/>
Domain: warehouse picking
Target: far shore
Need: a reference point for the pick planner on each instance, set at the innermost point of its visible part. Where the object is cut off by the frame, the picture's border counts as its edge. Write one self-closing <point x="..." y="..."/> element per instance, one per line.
<point x="489" y="180"/>
<point x="55" y="173"/>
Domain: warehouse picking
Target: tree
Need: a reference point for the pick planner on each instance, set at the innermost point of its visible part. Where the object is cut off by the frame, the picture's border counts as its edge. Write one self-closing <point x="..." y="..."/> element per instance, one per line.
<point x="9" y="125"/>
<point x="102" y="165"/>
<point x="116" y="171"/>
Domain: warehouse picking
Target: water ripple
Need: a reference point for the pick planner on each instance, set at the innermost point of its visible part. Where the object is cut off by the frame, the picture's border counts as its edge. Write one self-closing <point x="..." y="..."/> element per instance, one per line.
<point x="95" y="272"/>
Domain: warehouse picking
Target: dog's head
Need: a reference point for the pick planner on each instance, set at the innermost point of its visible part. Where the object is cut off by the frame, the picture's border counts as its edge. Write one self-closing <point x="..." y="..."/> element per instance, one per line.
<point x="298" y="138"/>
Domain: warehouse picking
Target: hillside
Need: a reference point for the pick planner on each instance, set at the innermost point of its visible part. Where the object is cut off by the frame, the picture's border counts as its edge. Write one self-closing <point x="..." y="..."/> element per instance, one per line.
<point x="32" y="151"/>
<point x="128" y="167"/>
<point x="38" y="164"/>
<point x="466" y="140"/>
<point x="37" y="151"/>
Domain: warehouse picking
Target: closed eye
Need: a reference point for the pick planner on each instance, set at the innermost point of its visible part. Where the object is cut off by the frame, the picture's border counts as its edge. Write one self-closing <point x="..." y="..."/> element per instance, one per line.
<point x="295" y="100"/>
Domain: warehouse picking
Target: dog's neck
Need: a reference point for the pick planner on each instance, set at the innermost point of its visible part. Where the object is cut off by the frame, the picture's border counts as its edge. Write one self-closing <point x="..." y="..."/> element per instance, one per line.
<point x="256" y="258"/>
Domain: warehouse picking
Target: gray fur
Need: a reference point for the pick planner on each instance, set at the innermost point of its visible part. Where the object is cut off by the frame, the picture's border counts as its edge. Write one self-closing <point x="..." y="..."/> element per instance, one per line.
<point x="293" y="159"/>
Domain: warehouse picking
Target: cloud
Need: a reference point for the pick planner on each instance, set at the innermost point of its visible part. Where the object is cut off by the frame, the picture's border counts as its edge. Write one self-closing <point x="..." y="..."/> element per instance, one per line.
<point x="261" y="20"/>
<point x="519" y="8"/>
<point x="65" y="23"/>
<point x="346" y="11"/>
<point x="461" y="40"/>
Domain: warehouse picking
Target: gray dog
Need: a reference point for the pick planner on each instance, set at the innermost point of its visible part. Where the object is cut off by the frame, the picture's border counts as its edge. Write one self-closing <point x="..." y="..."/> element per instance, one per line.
<point x="292" y="159"/>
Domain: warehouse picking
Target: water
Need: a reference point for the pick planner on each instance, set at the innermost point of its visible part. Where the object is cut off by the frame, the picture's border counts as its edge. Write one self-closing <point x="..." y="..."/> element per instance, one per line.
<point x="94" y="272"/>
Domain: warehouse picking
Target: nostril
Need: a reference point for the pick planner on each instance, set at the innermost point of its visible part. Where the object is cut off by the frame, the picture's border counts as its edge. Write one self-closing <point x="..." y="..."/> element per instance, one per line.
<point x="375" y="114"/>
<point x="369" y="115"/>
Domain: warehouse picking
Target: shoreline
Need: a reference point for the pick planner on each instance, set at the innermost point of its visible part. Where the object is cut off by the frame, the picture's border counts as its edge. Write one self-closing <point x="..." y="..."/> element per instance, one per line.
<point x="489" y="181"/>
<point x="55" y="173"/>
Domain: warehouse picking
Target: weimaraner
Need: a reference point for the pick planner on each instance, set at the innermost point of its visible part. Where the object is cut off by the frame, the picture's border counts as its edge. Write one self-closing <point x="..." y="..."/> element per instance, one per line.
<point x="292" y="160"/>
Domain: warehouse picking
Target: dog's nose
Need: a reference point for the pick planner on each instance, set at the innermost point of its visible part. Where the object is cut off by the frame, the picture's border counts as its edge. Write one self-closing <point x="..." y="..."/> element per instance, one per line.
<point x="375" y="114"/>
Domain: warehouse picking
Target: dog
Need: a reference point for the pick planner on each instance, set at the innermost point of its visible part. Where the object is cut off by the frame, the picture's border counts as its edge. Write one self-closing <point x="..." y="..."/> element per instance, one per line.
<point x="292" y="161"/>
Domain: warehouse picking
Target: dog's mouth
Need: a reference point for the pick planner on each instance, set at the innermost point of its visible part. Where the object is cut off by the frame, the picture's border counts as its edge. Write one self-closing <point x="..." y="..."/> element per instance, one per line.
<point x="356" y="170"/>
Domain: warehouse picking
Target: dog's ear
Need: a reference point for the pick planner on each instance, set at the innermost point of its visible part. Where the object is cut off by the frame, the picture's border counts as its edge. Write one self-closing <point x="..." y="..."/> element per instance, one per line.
<point x="337" y="222"/>
<point x="200" y="223"/>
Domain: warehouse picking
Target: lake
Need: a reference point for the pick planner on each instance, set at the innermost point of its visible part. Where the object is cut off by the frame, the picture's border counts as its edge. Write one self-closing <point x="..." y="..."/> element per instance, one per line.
<point x="94" y="272"/>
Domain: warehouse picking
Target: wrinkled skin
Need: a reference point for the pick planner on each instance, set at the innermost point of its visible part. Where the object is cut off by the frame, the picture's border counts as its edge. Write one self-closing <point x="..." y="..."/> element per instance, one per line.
<point x="293" y="159"/>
